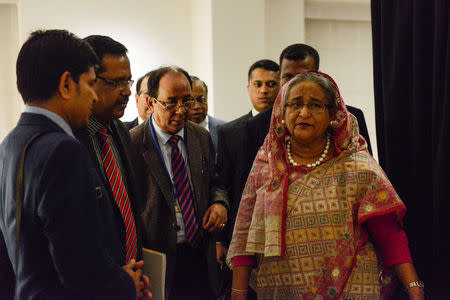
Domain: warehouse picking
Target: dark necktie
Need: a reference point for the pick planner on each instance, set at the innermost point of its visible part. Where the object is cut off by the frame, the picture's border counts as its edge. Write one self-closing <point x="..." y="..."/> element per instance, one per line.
<point x="184" y="193"/>
<point x="120" y="193"/>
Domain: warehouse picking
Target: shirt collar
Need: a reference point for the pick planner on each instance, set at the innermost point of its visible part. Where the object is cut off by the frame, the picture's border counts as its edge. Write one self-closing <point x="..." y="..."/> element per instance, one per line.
<point x="164" y="136"/>
<point x="51" y="115"/>
<point x="94" y="126"/>
<point x="254" y="112"/>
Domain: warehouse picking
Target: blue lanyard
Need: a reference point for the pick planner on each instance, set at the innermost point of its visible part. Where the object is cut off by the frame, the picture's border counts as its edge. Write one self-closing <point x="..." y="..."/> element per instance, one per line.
<point x="155" y="141"/>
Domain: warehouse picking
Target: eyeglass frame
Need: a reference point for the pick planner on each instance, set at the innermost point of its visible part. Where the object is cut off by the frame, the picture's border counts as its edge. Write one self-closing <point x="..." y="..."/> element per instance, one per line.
<point x="308" y="106"/>
<point x="164" y="104"/>
<point x="117" y="83"/>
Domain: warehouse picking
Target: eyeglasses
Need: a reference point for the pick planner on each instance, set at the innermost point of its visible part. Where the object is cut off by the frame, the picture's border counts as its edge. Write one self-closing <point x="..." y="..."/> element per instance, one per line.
<point x="117" y="83"/>
<point x="200" y="100"/>
<point x="173" y="105"/>
<point x="314" y="108"/>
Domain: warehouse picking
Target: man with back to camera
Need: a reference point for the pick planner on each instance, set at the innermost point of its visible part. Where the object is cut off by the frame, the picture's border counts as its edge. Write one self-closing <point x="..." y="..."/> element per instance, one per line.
<point x="107" y="141"/>
<point x="62" y="251"/>
<point x="184" y="204"/>
<point x="141" y="103"/>
<point x="198" y="112"/>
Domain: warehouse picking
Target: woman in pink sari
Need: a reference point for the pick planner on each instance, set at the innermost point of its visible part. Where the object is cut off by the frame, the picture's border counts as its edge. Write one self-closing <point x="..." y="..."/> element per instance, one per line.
<point x="318" y="218"/>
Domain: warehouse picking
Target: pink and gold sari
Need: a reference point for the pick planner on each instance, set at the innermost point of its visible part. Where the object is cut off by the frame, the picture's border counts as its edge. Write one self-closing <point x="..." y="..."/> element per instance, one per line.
<point x="306" y="225"/>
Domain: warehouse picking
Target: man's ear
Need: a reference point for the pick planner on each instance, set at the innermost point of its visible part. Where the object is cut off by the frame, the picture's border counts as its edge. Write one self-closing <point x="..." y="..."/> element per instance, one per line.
<point x="66" y="85"/>
<point x="150" y="108"/>
<point x="150" y="102"/>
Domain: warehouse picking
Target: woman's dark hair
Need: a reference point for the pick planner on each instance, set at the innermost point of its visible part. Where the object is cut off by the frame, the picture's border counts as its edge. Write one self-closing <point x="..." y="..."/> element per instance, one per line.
<point x="155" y="77"/>
<point x="45" y="56"/>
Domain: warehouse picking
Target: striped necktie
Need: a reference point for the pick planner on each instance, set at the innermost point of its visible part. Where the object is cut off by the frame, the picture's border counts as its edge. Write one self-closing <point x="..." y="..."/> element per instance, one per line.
<point x="184" y="193"/>
<point x="120" y="193"/>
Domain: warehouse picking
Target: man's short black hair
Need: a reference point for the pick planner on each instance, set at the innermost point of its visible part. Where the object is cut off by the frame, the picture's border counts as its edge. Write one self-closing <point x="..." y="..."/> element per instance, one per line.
<point x="44" y="57"/>
<point x="265" y="64"/>
<point x="155" y="77"/>
<point x="139" y="81"/>
<point x="195" y="79"/>
<point x="104" y="45"/>
<point x="300" y="52"/>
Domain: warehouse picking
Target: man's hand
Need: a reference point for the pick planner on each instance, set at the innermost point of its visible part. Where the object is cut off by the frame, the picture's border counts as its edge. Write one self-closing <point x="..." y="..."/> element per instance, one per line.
<point x="215" y="218"/>
<point x="221" y="253"/>
<point x="146" y="286"/>
<point x="141" y="282"/>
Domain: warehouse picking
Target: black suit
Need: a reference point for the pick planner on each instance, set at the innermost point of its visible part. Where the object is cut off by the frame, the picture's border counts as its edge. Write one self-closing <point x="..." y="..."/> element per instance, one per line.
<point x="131" y="124"/>
<point x="132" y="175"/>
<point x="239" y="142"/>
<point x="68" y="246"/>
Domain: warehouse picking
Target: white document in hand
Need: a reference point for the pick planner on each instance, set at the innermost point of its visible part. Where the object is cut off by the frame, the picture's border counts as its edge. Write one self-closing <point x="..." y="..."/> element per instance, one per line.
<point x="155" y="269"/>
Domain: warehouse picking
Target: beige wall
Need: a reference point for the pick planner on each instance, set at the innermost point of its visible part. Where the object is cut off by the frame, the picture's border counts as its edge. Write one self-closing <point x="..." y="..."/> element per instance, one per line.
<point x="9" y="97"/>
<point x="202" y="42"/>
<point x="342" y="34"/>
<point x="155" y="32"/>
<point x="216" y="40"/>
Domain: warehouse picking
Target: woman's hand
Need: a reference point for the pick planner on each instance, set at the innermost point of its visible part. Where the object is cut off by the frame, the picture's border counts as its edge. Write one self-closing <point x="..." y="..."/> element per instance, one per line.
<point x="416" y="293"/>
<point x="235" y="296"/>
<point x="407" y="274"/>
<point x="241" y="277"/>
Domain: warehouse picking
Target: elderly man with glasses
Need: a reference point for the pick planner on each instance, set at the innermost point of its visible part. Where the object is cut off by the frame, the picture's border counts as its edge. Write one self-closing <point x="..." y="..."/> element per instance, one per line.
<point x="184" y="204"/>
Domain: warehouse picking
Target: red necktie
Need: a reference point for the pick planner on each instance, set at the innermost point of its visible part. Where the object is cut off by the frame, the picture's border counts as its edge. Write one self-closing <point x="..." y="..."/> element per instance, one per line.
<point x="184" y="193"/>
<point x="120" y="194"/>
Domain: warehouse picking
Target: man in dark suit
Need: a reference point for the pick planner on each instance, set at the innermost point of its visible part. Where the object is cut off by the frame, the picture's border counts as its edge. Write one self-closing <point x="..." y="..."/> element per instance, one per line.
<point x="66" y="247"/>
<point x="107" y="140"/>
<point x="198" y="112"/>
<point x="141" y="103"/>
<point x="184" y="204"/>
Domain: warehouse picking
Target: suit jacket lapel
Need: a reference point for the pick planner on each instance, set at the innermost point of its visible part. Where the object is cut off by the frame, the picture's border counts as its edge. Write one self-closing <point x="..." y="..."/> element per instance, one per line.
<point x="156" y="165"/>
<point x="83" y="136"/>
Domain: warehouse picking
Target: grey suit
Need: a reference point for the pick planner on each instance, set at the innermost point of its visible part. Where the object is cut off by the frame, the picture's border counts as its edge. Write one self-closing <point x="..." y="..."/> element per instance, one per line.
<point x="214" y="124"/>
<point x="158" y="216"/>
